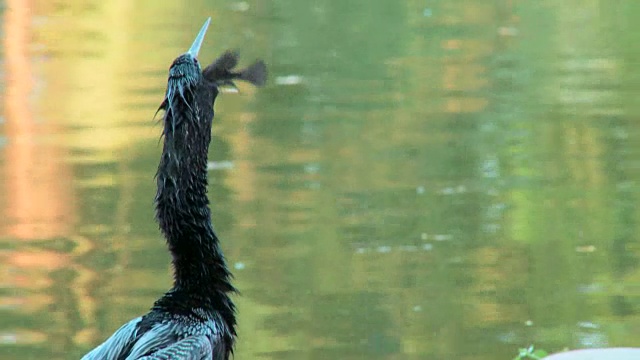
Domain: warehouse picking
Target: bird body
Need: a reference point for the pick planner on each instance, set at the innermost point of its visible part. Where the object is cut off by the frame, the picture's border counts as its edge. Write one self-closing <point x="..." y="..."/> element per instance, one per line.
<point x="195" y="319"/>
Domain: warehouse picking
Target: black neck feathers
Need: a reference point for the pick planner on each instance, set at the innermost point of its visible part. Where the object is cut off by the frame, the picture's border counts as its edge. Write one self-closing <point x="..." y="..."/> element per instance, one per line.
<point x="201" y="278"/>
<point x="182" y="206"/>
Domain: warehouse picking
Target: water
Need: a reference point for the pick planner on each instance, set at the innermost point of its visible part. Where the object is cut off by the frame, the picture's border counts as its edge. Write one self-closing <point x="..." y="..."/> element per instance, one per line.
<point x="419" y="180"/>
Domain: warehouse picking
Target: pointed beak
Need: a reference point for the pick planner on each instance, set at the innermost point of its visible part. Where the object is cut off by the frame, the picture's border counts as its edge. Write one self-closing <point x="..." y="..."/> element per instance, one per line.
<point x="195" y="47"/>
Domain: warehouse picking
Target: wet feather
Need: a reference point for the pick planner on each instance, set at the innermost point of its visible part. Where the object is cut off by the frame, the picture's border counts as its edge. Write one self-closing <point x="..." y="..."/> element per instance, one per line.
<point x="196" y="318"/>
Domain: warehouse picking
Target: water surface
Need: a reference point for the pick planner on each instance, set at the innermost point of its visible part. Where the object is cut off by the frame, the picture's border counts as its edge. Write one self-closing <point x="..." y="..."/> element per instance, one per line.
<point x="419" y="180"/>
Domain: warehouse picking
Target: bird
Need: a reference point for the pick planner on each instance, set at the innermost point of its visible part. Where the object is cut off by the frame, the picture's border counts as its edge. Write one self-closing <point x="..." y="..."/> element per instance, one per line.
<point x="196" y="318"/>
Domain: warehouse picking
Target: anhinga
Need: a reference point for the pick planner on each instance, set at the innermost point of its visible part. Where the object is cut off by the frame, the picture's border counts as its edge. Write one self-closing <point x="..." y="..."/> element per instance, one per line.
<point x="196" y="318"/>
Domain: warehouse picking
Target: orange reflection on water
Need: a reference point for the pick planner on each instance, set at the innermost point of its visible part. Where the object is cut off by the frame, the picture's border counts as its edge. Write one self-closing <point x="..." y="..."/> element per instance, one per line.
<point x="36" y="187"/>
<point x="37" y="180"/>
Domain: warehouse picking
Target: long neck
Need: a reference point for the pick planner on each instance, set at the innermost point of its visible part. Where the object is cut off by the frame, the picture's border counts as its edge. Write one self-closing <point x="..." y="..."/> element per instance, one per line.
<point x="182" y="206"/>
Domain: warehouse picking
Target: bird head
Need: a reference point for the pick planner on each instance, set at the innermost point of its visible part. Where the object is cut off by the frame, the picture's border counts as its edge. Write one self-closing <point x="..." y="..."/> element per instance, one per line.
<point x="185" y="70"/>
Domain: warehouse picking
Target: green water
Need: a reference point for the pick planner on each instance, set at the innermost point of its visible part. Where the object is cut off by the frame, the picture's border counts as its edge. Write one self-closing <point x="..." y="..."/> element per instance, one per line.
<point x="418" y="180"/>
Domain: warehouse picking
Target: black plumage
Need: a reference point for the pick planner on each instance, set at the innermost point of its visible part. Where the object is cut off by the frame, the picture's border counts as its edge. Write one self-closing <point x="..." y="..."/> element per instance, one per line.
<point x="196" y="318"/>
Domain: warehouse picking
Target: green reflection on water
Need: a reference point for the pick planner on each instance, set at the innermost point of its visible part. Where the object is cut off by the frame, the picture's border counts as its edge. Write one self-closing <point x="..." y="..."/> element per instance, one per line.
<point x="441" y="180"/>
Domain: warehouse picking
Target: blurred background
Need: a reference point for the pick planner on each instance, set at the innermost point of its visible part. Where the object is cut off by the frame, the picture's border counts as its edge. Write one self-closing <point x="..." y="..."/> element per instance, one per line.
<point x="426" y="179"/>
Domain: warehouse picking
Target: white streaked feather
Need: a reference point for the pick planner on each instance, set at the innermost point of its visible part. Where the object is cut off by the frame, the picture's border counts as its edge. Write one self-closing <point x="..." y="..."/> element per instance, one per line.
<point x="190" y="348"/>
<point x="178" y="338"/>
<point x="159" y="336"/>
<point x="115" y="346"/>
